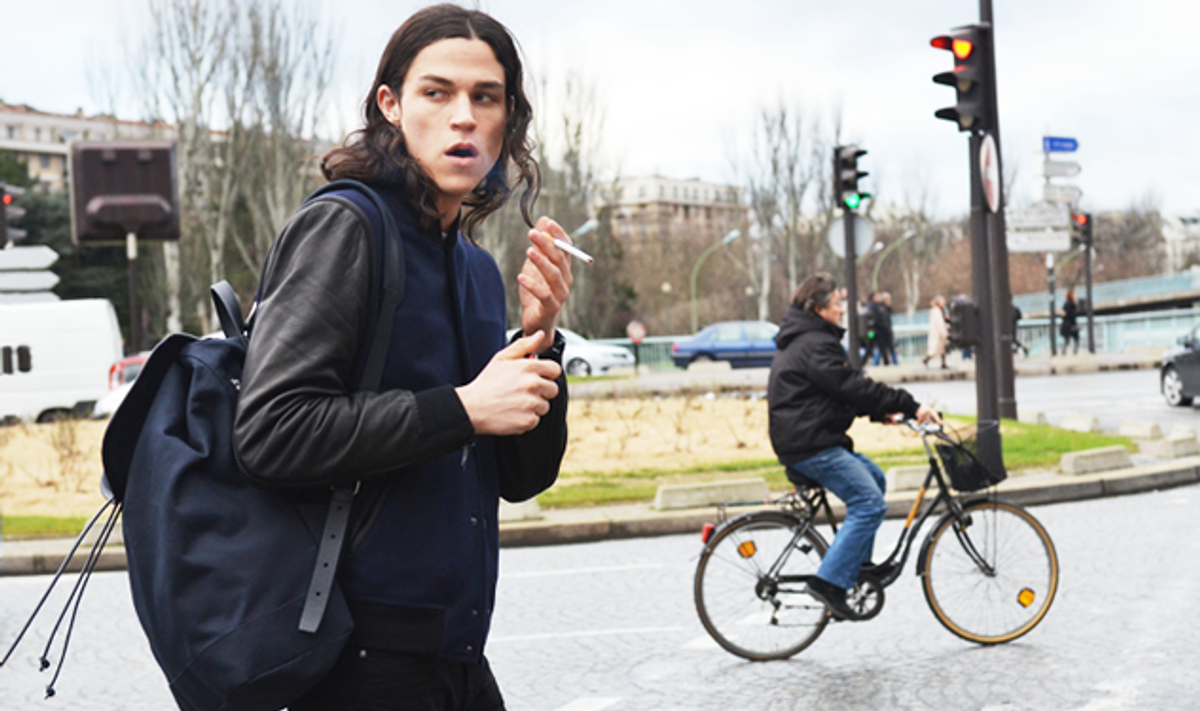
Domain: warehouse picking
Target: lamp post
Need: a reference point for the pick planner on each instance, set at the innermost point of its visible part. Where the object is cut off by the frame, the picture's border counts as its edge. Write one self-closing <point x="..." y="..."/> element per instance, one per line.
<point x="886" y="251"/>
<point x="733" y="234"/>
<point x="581" y="279"/>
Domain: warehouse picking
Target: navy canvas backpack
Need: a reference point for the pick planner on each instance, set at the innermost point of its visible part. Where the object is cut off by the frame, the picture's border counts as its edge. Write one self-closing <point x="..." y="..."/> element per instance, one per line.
<point x="234" y="584"/>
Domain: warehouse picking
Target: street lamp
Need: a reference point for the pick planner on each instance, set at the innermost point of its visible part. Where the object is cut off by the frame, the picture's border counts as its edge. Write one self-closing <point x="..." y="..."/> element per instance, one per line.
<point x="733" y="234"/>
<point x="883" y="255"/>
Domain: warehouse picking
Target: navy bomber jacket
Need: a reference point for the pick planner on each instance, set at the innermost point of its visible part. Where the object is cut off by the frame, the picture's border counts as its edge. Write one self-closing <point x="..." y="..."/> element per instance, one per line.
<point x="422" y="577"/>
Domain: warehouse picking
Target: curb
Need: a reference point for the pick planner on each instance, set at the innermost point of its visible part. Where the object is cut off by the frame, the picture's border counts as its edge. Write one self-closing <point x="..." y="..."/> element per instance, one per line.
<point x="575" y="526"/>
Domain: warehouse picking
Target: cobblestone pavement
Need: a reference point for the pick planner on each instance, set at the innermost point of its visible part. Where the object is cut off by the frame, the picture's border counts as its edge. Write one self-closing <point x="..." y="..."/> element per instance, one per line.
<point x="611" y="626"/>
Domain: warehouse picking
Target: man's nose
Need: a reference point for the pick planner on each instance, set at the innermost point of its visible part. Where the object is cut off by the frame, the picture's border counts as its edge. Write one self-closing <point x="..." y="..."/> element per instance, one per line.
<point x="463" y="112"/>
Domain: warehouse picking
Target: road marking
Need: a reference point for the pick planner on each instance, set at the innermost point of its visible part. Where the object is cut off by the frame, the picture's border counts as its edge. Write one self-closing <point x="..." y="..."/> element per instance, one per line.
<point x="583" y="633"/>
<point x="589" y="703"/>
<point x="582" y="571"/>
<point x="704" y="642"/>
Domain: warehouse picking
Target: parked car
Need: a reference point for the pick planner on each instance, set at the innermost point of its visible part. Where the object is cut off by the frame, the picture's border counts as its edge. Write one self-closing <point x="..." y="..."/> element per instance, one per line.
<point x="1180" y="370"/>
<point x="743" y="344"/>
<point x="582" y="357"/>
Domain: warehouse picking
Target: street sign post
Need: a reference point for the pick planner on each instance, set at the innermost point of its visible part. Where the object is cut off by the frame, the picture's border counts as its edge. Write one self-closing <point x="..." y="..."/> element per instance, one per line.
<point x="1043" y="240"/>
<point x="1059" y="144"/>
<point x="1060" y="169"/>
<point x="864" y="235"/>
<point x="1043" y="216"/>
<point x="1061" y="193"/>
<point x="24" y="258"/>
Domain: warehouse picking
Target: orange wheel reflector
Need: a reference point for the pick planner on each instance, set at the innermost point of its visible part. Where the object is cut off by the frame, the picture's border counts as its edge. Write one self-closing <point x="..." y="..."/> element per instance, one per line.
<point x="1026" y="597"/>
<point x="747" y="549"/>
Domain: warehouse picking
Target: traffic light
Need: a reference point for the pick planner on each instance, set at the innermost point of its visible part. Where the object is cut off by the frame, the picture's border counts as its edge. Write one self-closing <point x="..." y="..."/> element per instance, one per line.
<point x="10" y="213"/>
<point x="972" y="52"/>
<point x="1083" y="228"/>
<point x="964" y="323"/>
<point x="846" y="175"/>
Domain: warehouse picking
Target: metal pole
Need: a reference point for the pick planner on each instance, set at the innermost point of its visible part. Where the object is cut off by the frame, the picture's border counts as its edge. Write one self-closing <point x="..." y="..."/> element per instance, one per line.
<point x="851" y="277"/>
<point x="135" y="315"/>
<point x="1050" y="288"/>
<point x="987" y="405"/>
<point x="1087" y="269"/>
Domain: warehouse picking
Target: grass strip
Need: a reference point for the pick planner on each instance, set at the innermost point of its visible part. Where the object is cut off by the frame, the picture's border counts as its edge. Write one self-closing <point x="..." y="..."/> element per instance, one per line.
<point x="19" y="527"/>
<point x="1026" y="446"/>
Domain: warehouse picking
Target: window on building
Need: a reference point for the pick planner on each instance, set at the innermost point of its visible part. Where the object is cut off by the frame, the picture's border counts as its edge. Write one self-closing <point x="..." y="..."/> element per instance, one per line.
<point x="37" y="134"/>
<point x="12" y="132"/>
<point x="44" y="160"/>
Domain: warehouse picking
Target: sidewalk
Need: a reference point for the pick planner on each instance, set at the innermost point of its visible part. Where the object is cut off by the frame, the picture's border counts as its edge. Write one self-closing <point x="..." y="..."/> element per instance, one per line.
<point x="557" y="526"/>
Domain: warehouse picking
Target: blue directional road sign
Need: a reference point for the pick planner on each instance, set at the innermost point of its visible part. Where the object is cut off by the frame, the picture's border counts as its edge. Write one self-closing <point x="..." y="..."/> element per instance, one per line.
<point x="1059" y="144"/>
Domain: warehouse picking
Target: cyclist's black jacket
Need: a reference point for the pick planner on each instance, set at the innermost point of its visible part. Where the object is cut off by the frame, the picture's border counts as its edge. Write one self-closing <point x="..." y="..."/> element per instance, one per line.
<point x="814" y="393"/>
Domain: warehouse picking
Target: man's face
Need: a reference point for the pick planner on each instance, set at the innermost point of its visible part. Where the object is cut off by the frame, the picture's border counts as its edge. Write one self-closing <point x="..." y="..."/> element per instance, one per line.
<point x="834" y="311"/>
<point x="452" y="112"/>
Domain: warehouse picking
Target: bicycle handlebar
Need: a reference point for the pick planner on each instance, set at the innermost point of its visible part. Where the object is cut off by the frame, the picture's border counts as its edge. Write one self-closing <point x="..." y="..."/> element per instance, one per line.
<point x="923" y="429"/>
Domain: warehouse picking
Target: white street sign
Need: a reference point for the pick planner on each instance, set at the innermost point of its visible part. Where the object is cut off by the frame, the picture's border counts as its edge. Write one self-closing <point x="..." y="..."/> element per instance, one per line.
<point x="1060" y="169"/>
<point x="36" y="257"/>
<point x="1055" y="215"/>
<point x="989" y="168"/>
<point x="1047" y="240"/>
<point x="28" y="281"/>
<point x="1061" y="193"/>
<point x="864" y="235"/>
<point x="28" y="297"/>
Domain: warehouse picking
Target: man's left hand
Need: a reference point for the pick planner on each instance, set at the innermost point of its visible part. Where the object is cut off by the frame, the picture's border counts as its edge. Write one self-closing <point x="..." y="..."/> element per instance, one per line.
<point x="545" y="280"/>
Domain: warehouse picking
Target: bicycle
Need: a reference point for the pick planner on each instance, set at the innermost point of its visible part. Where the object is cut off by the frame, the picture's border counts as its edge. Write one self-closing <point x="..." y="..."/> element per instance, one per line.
<point x="988" y="567"/>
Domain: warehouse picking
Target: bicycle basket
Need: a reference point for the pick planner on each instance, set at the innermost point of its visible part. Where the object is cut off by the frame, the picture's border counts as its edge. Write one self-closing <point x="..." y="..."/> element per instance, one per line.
<point x="962" y="466"/>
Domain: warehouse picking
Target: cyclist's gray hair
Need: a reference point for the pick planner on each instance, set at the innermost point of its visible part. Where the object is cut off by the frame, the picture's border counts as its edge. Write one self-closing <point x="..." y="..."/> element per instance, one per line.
<point x="814" y="292"/>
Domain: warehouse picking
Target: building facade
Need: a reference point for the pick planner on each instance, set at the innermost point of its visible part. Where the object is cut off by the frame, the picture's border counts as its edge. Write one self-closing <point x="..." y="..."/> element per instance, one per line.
<point x="42" y="140"/>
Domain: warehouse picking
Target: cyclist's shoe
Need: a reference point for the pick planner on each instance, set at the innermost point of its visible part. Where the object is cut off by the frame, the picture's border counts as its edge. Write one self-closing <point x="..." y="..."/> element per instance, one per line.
<point x="879" y="571"/>
<point x="833" y="598"/>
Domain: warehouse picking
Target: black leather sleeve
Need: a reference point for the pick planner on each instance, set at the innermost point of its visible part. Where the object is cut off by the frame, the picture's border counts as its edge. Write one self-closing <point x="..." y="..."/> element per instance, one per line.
<point x="298" y="422"/>
<point x="529" y="462"/>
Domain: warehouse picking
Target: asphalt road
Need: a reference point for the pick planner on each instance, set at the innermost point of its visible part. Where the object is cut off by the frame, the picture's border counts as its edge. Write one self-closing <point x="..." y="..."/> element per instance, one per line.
<point x="599" y="626"/>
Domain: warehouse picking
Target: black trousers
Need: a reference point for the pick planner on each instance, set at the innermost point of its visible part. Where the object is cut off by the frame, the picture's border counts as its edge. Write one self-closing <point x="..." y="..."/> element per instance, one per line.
<point x="374" y="680"/>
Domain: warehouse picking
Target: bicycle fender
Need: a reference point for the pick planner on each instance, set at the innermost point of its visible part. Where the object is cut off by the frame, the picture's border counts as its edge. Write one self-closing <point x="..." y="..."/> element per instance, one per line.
<point x="765" y="513"/>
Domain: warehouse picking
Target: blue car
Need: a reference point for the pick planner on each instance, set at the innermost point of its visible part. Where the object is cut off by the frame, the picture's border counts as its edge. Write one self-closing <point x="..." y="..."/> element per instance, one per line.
<point x="745" y="344"/>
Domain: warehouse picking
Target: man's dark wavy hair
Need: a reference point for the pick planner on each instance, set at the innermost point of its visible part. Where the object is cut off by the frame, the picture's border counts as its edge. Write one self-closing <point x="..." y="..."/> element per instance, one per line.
<point x="377" y="151"/>
<point x="814" y="292"/>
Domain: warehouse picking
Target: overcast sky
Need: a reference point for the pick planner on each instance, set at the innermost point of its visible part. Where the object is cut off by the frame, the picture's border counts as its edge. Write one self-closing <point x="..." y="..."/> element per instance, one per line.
<point x="682" y="80"/>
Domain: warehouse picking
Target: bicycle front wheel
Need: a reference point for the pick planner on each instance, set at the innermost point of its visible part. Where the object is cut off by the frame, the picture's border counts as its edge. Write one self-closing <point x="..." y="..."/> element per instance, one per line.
<point x="749" y="586"/>
<point x="991" y="575"/>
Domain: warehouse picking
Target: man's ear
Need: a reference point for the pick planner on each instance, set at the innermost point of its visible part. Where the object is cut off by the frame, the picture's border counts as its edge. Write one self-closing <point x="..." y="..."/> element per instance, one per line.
<point x="388" y="103"/>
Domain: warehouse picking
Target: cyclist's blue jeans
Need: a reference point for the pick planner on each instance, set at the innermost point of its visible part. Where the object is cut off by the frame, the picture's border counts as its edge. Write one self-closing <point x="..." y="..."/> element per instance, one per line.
<point x="860" y="484"/>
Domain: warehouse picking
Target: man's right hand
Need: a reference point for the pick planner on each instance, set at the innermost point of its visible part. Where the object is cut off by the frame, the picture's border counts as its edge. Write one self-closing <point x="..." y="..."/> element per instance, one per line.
<point x="514" y="390"/>
<point x="925" y="413"/>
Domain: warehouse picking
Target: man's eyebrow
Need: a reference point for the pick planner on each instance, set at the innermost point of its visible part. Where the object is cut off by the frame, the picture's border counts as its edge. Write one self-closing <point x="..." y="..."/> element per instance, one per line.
<point x="442" y="81"/>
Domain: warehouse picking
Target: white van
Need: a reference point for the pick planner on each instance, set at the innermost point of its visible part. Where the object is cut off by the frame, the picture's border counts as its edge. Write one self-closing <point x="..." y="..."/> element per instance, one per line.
<point x="55" y="357"/>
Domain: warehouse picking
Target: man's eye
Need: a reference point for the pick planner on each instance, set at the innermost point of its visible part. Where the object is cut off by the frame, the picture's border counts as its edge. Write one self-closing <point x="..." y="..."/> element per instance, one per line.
<point x="434" y="93"/>
<point x="486" y="98"/>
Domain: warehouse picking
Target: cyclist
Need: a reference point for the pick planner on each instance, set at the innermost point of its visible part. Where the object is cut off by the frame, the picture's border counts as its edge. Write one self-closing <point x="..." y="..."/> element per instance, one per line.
<point x="814" y="395"/>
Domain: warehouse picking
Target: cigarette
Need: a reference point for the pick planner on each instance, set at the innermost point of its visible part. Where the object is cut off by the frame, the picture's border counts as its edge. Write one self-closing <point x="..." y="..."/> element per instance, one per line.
<point x="572" y="250"/>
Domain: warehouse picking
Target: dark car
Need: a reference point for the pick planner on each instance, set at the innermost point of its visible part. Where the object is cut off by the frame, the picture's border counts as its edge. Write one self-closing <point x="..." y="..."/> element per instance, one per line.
<point x="744" y="344"/>
<point x="1180" y="381"/>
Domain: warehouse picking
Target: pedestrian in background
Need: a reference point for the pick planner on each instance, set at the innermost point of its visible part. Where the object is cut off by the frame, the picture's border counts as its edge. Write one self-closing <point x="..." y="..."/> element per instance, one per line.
<point x="866" y="328"/>
<point x="462" y="418"/>
<point x="885" y="338"/>
<point x="939" y="332"/>
<point x="814" y="395"/>
<point x="1070" y="321"/>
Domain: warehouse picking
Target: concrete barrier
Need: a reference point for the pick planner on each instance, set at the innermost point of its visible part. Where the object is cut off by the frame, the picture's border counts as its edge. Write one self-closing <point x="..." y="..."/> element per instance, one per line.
<point x="1032" y="417"/>
<point x="1181" y="443"/>
<point x="1182" y="432"/>
<point x="1096" y="460"/>
<point x="1139" y="429"/>
<point x="907" y="478"/>
<point x="1080" y="423"/>
<point x="523" y="511"/>
<point x="709" y="366"/>
<point x="687" y="496"/>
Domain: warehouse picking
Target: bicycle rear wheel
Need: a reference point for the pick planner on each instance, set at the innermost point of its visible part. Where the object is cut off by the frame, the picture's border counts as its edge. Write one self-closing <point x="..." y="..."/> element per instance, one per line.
<point x="746" y="588"/>
<point x="993" y="579"/>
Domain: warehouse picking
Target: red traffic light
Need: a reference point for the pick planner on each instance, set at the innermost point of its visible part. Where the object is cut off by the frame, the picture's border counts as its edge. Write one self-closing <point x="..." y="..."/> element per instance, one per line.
<point x="7" y="199"/>
<point x="1080" y="218"/>
<point x="962" y="48"/>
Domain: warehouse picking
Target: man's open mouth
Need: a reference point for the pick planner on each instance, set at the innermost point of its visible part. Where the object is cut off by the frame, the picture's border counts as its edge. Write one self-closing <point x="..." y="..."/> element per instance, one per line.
<point x="462" y="152"/>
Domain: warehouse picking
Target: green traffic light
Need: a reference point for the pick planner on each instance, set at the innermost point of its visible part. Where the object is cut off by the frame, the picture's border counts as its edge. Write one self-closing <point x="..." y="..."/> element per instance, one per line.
<point x="853" y="200"/>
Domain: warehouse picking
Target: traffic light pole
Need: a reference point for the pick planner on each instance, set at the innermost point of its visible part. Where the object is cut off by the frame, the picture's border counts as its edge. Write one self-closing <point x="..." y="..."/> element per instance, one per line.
<point x="986" y="401"/>
<point x="851" y="277"/>
<point x="135" y="315"/>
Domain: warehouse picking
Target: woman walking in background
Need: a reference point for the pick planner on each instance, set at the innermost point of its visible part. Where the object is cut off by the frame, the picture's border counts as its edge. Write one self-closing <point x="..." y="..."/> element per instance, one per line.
<point x="939" y="332"/>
